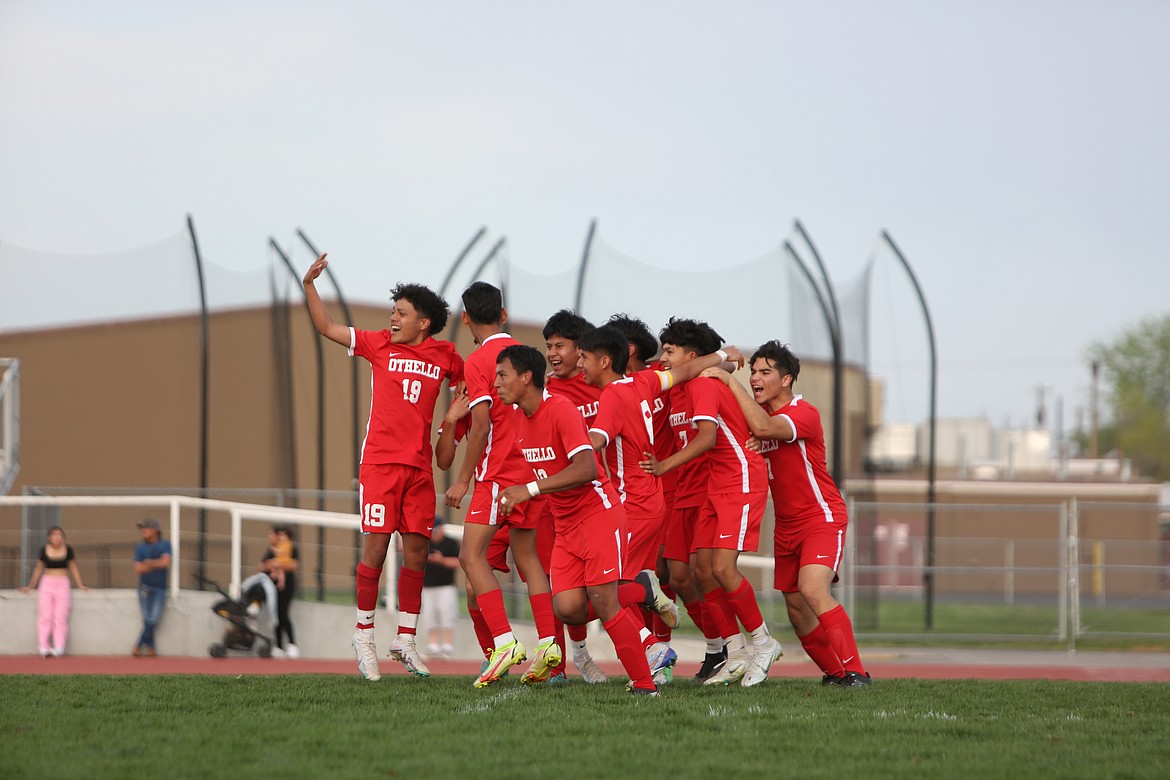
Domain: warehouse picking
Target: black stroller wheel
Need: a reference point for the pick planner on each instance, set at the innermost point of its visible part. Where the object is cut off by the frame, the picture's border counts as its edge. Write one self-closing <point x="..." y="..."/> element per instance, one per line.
<point x="217" y="650"/>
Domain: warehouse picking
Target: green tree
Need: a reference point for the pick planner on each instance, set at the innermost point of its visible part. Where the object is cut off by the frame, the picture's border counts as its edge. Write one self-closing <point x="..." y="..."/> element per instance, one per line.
<point x="1136" y="370"/>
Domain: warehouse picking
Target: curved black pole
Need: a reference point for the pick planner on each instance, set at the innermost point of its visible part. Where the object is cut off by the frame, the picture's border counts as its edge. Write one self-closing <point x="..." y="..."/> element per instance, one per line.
<point x="928" y="573"/>
<point x="457" y="321"/>
<point x="320" y="422"/>
<point x="204" y="398"/>
<point x="838" y="362"/>
<point x="355" y="417"/>
<point x="584" y="264"/>
<point x="809" y="277"/>
<point x="459" y="261"/>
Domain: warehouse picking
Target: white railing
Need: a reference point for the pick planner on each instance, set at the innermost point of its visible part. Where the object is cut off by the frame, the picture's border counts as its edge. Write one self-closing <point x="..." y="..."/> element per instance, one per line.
<point x="9" y="422"/>
<point x="237" y="511"/>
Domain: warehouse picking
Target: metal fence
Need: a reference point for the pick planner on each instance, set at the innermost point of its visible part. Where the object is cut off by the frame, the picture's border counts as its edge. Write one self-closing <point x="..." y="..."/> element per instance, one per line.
<point x="1053" y="573"/>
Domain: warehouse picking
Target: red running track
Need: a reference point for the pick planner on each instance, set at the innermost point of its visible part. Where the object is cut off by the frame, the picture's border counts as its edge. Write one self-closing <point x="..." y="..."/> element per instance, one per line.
<point x="127" y="665"/>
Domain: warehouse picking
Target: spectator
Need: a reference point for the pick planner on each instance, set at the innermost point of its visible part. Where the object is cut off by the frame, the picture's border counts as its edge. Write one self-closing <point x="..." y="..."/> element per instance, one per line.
<point x="152" y="561"/>
<point x="440" y="595"/>
<point x="282" y="561"/>
<point x="54" y="596"/>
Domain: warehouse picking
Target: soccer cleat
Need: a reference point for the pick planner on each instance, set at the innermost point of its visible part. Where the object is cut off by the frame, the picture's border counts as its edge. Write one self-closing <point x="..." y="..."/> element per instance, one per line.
<point x="590" y="671"/>
<point x="403" y="649"/>
<point x="761" y="661"/>
<point x="656" y="600"/>
<point x="651" y="692"/>
<point x="367" y="655"/>
<point x="548" y="655"/>
<point x="503" y="659"/>
<point x="558" y="679"/>
<point x="732" y="672"/>
<point x="712" y="663"/>
<point x="856" y="680"/>
<point x="832" y="679"/>
<point x="661" y="657"/>
<point x="664" y="677"/>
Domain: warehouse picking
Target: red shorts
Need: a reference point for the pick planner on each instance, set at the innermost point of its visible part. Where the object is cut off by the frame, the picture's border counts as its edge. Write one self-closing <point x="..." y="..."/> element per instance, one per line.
<point x="485" y="508"/>
<point x="394" y="497"/>
<point x="667" y="508"/>
<point x="642" y="547"/>
<point x="730" y="521"/>
<point x="822" y="545"/>
<point x="680" y="533"/>
<point x="590" y="553"/>
<point x="539" y="516"/>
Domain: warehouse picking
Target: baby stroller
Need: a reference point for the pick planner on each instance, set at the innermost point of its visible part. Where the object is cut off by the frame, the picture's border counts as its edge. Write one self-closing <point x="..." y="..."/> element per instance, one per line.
<point x="244" y="616"/>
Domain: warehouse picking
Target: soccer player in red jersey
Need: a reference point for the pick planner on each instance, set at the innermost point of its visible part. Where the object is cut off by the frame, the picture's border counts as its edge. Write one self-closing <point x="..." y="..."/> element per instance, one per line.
<point x="811" y="518"/>
<point x="587" y="557"/>
<point x="624" y="429"/>
<point x="494" y="460"/>
<point x="396" y="486"/>
<point x="561" y="332"/>
<point x="729" y="521"/>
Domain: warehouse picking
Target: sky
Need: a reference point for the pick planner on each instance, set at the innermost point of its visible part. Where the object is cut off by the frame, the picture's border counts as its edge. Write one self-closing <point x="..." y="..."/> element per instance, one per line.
<point x="1016" y="152"/>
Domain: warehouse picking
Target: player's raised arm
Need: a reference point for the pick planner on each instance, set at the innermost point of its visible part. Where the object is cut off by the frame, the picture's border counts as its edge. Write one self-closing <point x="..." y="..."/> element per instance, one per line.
<point x="714" y="361"/>
<point x="762" y="424"/>
<point x="321" y="317"/>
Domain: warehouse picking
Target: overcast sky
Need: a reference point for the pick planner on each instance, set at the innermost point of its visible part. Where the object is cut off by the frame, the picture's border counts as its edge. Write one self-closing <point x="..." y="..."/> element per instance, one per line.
<point x="1017" y="152"/>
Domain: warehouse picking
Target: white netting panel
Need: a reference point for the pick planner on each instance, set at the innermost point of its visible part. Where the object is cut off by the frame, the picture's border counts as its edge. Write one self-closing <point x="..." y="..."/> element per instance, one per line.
<point x="51" y="290"/>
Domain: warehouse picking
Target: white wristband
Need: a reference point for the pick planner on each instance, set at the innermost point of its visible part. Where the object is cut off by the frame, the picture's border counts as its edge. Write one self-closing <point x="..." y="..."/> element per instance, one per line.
<point x="533" y="489"/>
<point x="721" y="354"/>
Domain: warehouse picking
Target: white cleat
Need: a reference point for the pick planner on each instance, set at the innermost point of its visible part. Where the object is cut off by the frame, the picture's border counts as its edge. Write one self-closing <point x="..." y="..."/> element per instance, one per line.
<point x="656" y="599"/>
<point x="761" y="661"/>
<point x="367" y="655"/>
<point x="590" y="671"/>
<point x="403" y="649"/>
<point x="733" y="671"/>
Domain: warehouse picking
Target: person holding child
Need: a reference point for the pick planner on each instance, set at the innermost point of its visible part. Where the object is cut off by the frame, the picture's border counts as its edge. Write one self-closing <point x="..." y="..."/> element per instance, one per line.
<point x="282" y="561"/>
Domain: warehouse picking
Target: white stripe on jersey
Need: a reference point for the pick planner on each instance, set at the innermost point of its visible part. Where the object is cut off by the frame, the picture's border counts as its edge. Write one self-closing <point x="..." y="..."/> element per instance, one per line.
<point x="744" y="479"/>
<point x="812" y="481"/>
<point x="621" y="469"/>
<point x="599" y="489"/>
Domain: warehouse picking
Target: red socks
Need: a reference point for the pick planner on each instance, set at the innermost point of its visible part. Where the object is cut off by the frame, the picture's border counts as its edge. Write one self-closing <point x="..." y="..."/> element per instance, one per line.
<point x="746" y="608"/>
<point x="367" y="587"/>
<point x="542" y="614"/>
<point x="491" y="605"/>
<point x="718" y="613"/>
<point x="816" y="645"/>
<point x="840" y="630"/>
<point x="410" y="585"/>
<point x="483" y="634"/>
<point x="624" y="632"/>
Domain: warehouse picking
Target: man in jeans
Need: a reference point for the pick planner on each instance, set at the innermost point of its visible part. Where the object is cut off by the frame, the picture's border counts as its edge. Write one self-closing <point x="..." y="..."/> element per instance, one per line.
<point x="152" y="559"/>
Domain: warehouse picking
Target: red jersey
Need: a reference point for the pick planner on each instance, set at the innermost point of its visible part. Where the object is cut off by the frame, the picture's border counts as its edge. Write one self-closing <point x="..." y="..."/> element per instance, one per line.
<point x="802" y="490"/>
<point x="405" y="383"/>
<point x="549" y="439"/>
<point x="734" y="468"/>
<point x="501" y="462"/>
<point x="691" y="487"/>
<point x="584" y="395"/>
<point x="665" y="442"/>
<point x="625" y="418"/>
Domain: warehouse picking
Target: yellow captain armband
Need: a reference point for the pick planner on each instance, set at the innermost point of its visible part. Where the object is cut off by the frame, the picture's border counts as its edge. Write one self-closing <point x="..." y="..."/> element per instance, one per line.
<point x="666" y="378"/>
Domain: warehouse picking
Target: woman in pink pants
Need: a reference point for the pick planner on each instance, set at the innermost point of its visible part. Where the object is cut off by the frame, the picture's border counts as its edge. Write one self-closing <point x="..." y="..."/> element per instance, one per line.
<point x="54" y="596"/>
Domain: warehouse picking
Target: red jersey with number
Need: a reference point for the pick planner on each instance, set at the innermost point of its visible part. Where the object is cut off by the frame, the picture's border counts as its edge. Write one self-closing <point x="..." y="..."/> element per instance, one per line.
<point x="691" y="488"/>
<point x="802" y="490"/>
<point x="625" y="418"/>
<point x="584" y="395"/>
<point x="665" y="442"/>
<point x="733" y="467"/>
<point x="549" y="439"/>
<point x="502" y="462"/>
<point x="405" y="383"/>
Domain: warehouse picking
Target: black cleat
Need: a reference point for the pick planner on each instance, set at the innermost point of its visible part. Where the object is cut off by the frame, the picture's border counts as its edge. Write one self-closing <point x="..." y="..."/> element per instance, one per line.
<point x="653" y="692"/>
<point x="712" y="663"/>
<point x="832" y="679"/>
<point x="856" y="680"/>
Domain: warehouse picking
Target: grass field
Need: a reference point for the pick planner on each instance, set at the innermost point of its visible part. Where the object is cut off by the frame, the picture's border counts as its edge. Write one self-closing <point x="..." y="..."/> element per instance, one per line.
<point x="343" y="727"/>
